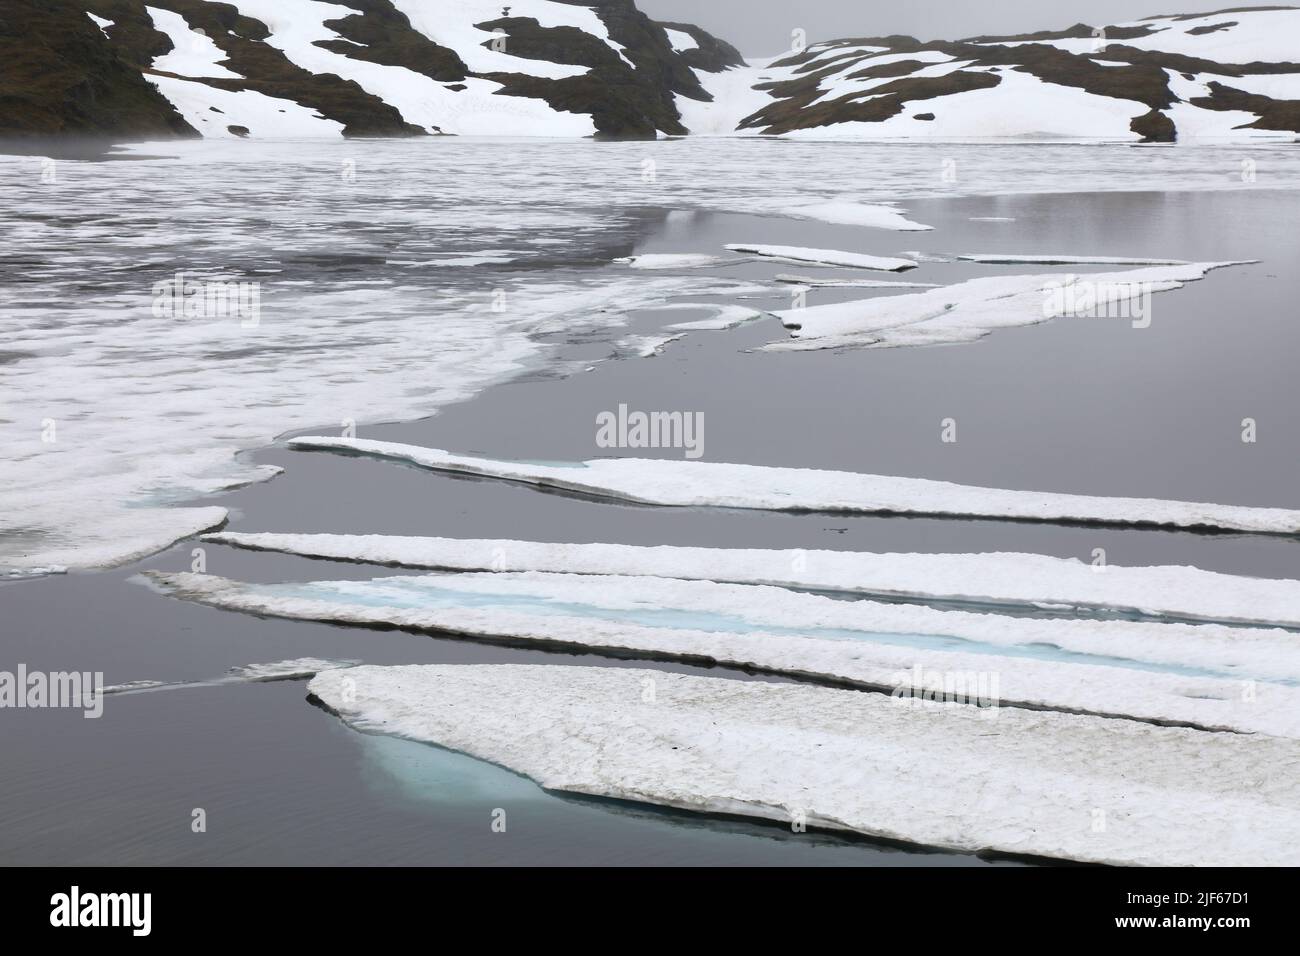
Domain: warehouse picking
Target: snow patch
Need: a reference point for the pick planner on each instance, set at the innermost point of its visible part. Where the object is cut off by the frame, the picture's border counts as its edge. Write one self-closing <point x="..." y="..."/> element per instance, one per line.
<point x="193" y="53"/>
<point x="101" y="23"/>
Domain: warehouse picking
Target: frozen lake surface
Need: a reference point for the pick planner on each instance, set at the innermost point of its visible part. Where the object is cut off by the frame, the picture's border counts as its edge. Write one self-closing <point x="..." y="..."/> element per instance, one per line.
<point x="396" y="277"/>
<point x="378" y="284"/>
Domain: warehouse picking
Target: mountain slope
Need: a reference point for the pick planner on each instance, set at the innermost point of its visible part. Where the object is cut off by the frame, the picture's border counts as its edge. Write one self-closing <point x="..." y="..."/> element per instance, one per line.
<point x="369" y="67"/>
<point x="136" y="69"/>
<point x="1232" y="73"/>
<point x="58" y="74"/>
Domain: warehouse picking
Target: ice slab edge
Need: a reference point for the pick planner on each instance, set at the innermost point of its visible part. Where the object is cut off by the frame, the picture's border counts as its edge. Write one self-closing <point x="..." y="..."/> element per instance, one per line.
<point x="1000" y="579"/>
<point x="1219" y="704"/>
<point x="1026" y="783"/>
<point x="700" y="484"/>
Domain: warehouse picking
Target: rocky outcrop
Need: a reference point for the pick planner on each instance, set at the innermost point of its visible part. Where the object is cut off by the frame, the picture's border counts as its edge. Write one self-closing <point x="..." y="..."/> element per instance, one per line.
<point x="710" y="54"/>
<point x="61" y="76"/>
<point x="64" y="73"/>
<point x="134" y="69"/>
<point x="1140" y="79"/>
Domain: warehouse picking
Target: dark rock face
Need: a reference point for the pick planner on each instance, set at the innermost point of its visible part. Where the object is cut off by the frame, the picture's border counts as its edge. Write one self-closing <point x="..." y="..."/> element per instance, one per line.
<point x="266" y="69"/>
<point x="1273" y="114"/>
<point x="884" y="102"/>
<point x="60" y="75"/>
<point x="625" y="101"/>
<point x="1154" y="127"/>
<point x="387" y="37"/>
<point x="711" y="55"/>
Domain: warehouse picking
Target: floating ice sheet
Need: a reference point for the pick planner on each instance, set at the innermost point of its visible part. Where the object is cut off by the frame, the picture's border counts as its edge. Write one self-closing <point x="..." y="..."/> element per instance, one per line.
<point x="701" y="484"/>
<point x="298" y="668"/>
<point x="1023" y="783"/>
<point x="849" y="213"/>
<point x="970" y="310"/>
<point x="998" y="258"/>
<point x="679" y="260"/>
<point x="852" y="283"/>
<point x="826" y="257"/>
<point x="99" y="492"/>
<point x="1121" y="669"/>
<point x="1022" y="581"/>
<point x="723" y="317"/>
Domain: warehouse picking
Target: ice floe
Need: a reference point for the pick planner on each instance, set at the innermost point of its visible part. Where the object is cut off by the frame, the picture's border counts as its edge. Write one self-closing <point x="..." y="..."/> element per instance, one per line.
<point x="645" y="346"/>
<point x="825" y="257"/>
<point x="848" y="213"/>
<point x="970" y="310"/>
<point x="298" y="668"/>
<point x="679" y="260"/>
<point x="1027" y="783"/>
<point x="998" y="579"/>
<point x="998" y="258"/>
<point x="99" y="368"/>
<point x="1233" y="679"/>
<point x="700" y="484"/>
<point x="852" y="283"/>
<point x="723" y="317"/>
<point x="97" y="467"/>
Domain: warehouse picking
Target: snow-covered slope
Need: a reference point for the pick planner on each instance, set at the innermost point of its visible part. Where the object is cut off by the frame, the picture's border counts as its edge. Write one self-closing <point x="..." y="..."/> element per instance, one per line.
<point x="384" y="67"/>
<point x="1234" y="73"/>
<point x="266" y="68"/>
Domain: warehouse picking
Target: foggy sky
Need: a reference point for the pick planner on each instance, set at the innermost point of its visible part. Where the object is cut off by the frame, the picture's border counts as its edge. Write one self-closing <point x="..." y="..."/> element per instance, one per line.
<point x="763" y="27"/>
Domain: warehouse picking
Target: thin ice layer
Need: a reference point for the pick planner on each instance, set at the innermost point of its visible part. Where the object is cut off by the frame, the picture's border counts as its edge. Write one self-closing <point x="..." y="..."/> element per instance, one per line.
<point x="298" y="668"/>
<point x="998" y="258"/>
<point x="1025" y="783"/>
<point x="825" y="257"/>
<point x="969" y="310"/>
<point x="699" y="484"/>
<point x="987" y="675"/>
<point x="997" y="579"/>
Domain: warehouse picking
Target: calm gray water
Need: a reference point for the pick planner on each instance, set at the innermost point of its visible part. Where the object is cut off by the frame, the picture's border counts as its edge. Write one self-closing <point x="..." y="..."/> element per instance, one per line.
<point x="1077" y="405"/>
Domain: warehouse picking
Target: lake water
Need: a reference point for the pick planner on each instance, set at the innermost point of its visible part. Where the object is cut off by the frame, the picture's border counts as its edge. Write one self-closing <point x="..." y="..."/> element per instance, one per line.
<point x="365" y="320"/>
